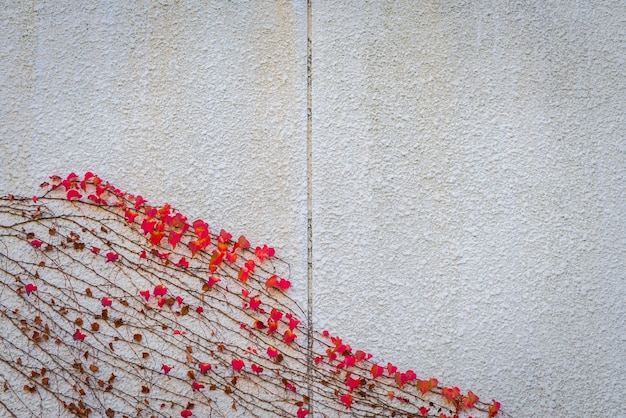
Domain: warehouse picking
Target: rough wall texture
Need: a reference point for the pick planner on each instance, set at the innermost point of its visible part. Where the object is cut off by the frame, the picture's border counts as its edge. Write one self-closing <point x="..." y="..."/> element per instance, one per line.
<point x="469" y="179"/>
<point x="468" y="164"/>
<point x="199" y="105"/>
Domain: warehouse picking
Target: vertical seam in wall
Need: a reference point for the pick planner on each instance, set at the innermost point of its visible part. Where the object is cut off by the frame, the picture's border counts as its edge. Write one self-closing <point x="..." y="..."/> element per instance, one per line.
<point x="309" y="96"/>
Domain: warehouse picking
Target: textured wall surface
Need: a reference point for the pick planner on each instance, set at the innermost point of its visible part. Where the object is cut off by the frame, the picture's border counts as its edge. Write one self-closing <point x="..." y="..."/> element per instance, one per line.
<point x="469" y="167"/>
<point x="468" y="164"/>
<point x="201" y="106"/>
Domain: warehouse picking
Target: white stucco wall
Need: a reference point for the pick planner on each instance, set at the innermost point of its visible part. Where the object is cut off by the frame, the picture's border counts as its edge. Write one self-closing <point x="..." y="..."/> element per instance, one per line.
<point x="198" y="105"/>
<point x="468" y="164"/>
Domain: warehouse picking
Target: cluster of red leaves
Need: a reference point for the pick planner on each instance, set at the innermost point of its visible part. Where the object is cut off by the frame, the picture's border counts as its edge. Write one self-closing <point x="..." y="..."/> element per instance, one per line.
<point x="341" y="356"/>
<point x="159" y="223"/>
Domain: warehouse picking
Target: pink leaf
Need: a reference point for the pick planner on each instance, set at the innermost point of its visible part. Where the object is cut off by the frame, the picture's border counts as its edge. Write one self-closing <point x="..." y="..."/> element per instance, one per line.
<point x="79" y="335"/>
<point x="112" y="257"/>
<point x="238" y="364"/>
<point x="30" y="288"/>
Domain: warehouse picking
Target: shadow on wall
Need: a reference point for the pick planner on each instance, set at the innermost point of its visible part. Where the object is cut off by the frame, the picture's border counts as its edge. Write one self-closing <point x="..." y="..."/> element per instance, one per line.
<point x="113" y="307"/>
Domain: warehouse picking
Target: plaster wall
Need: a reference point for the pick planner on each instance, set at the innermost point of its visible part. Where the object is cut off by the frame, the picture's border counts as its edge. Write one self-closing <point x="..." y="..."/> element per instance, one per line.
<point x="468" y="164"/>
<point x="469" y="193"/>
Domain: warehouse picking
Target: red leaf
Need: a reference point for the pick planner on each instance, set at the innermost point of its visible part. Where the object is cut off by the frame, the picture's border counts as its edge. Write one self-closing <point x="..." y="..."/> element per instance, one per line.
<point x="256" y="369"/>
<point x="201" y="229"/>
<point x="216" y="259"/>
<point x="174" y="238"/>
<point x="100" y="190"/>
<point x="238" y="364"/>
<point x="164" y="214"/>
<point x="410" y="376"/>
<point x="145" y="294"/>
<point x="182" y="263"/>
<point x="346" y="400"/>
<point x="404" y="378"/>
<point x="275" y="281"/>
<point x="451" y="394"/>
<point x="30" y="288"/>
<point x="212" y="280"/>
<point x="56" y="180"/>
<point x="111" y="257"/>
<point x="376" y="371"/>
<point x="106" y="301"/>
<point x="302" y="413"/>
<point x="284" y="284"/>
<point x="494" y="408"/>
<point x="426" y="385"/>
<point x="255" y="302"/>
<point x="204" y="367"/>
<point x="199" y="309"/>
<point x="222" y="240"/>
<point x="166" y="369"/>
<point x="470" y="399"/>
<point x="243" y="243"/>
<point x="391" y="369"/>
<point x="348" y="361"/>
<point x="73" y="194"/>
<point x="272" y="352"/>
<point x="195" y="246"/>
<point x="179" y="221"/>
<point x="162" y="256"/>
<point x="423" y="411"/>
<point x="95" y="250"/>
<point x="197" y="386"/>
<point x="353" y="383"/>
<point x="290" y="386"/>
<point x="186" y="413"/>
<point x="157" y="234"/>
<point x="263" y="252"/>
<point x="36" y="243"/>
<point x="147" y="226"/>
<point x="231" y="257"/>
<point x="179" y="300"/>
<point x="88" y="176"/>
<point x="139" y="201"/>
<point x="293" y="323"/>
<point x="130" y="215"/>
<point x="289" y="336"/>
<point x="276" y="315"/>
<point x="79" y="335"/>
<point x="159" y="290"/>
<point x="244" y="273"/>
